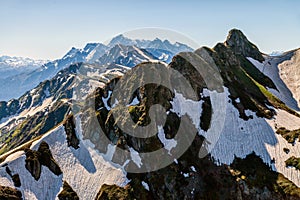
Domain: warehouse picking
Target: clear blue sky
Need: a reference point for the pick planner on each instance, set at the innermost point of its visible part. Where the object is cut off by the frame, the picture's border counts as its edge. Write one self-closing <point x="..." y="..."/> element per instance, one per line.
<point x="48" y="29"/>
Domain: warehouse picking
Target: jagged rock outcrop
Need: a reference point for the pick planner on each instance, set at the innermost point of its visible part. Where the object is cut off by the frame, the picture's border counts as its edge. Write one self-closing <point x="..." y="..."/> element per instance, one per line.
<point x="35" y="159"/>
<point x="33" y="164"/>
<point x="67" y="193"/>
<point x="15" y="177"/>
<point x="246" y="83"/>
<point x="293" y="162"/>
<point x="69" y="125"/>
<point x="240" y="45"/>
<point x="291" y="136"/>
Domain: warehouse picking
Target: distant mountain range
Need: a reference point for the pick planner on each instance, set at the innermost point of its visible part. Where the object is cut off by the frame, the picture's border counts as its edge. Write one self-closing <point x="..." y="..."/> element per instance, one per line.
<point x="12" y="66"/>
<point x="30" y="73"/>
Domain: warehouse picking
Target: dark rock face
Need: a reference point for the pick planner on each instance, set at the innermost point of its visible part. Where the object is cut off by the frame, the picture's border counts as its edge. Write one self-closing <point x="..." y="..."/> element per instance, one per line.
<point x="33" y="164"/>
<point x="240" y="45"/>
<point x="15" y="178"/>
<point x="67" y="193"/>
<point x="291" y="136"/>
<point x="189" y="72"/>
<point x="7" y="193"/>
<point x="70" y="131"/>
<point x="35" y="160"/>
<point x="47" y="159"/>
<point x="293" y="162"/>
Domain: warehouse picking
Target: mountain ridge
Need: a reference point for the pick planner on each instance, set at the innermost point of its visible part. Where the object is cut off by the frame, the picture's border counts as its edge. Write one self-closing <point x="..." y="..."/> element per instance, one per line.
<point x="248" y="161"/>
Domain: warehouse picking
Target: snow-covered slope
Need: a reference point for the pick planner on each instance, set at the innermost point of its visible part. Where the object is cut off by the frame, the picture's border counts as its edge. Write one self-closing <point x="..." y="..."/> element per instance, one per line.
<point x="290" y="74"/>
<point x="240" y="138"/>
<point x="276" y="67"/>
<point x="84" y="169"/>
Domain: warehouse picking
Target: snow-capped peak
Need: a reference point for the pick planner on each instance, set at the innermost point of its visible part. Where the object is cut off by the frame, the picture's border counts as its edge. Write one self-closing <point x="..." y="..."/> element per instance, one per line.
<point x="18" y="62"/>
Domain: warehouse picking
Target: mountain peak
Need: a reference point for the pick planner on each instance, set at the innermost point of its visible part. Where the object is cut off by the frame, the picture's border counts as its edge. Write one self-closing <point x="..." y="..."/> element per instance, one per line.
<point x="120" y="36"/>
<point x="236" y="34"/>
<point x="239" y="43"/>
<point x="121" y="39"/>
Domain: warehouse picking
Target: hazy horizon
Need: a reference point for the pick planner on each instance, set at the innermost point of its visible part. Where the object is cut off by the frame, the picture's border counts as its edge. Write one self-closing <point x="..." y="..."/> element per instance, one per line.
<point x="48" y="29"/>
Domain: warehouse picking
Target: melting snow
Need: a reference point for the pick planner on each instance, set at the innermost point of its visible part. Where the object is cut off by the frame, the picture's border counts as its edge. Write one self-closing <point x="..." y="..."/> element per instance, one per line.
<point x="146" y="186"/>
<point x="193" y="169"/>
<point x="134" y="102"/>
<point x="135" y="157"/>
<point x="105" y="100"/>
<point x="240" y="138"/>
<point x="84" y="169"/>
<point x="168" y="143"/>
<point x="270" y="68"/>
<point x="182" y="106"/>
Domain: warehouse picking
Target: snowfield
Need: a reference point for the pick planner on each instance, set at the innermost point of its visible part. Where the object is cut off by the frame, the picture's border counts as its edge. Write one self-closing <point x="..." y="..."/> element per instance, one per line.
<point x="240" y="138"/>
<point x="270" y="67"/>
<point x="84" y="169"/>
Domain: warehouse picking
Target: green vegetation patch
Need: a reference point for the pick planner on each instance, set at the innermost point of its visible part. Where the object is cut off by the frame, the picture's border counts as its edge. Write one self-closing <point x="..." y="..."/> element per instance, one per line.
<point x="33" y="127"/>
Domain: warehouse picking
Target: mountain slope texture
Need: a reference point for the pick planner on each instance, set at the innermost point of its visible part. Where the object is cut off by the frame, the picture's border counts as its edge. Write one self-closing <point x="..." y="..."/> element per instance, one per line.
<point x="65" y="138"/>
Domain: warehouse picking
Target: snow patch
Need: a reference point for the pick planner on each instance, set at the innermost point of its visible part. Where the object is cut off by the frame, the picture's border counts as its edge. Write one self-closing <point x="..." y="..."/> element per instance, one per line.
<point x="134" y="102"/>
<point x="146" y="186"/>
<point x="169" y="144"/>
<point x="105" y="100"/>
<point x="271" y="69"/>
<point x="240" y="138"/>
<point x="193" y="169"/>
<point x="182" y="106"/>
<point x="135" y="157"/>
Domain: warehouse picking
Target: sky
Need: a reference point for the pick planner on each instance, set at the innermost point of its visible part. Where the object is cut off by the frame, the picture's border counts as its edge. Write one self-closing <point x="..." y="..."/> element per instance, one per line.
<point x="48" y="29"/>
